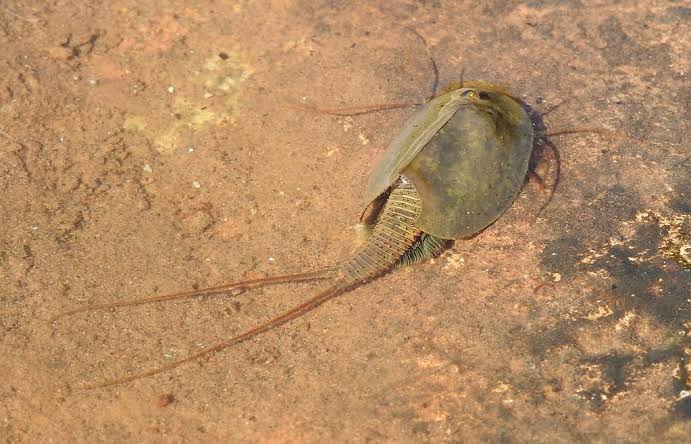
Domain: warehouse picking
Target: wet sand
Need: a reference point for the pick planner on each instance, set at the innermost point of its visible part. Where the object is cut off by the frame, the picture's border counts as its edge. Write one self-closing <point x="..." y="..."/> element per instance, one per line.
<point x="165" y="146"/>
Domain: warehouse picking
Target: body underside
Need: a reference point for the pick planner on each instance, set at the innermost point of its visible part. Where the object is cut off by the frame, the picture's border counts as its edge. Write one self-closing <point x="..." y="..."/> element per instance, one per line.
<point x="394" y="239"/>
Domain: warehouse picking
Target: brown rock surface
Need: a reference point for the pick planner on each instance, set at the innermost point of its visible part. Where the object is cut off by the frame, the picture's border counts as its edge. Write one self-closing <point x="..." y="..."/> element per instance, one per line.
<point x="147" y="147"/>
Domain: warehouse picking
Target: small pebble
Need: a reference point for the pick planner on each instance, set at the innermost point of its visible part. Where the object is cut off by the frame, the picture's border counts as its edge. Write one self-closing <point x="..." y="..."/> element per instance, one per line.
<point x="685" y="252"/>
<point x="164" y="400"/>
<point x="60" y="53"/>
<point x="147" y="168"/>
<point x="199" y="222"/>
<point x="171" y="89"/>
<point x="196" y="184"/>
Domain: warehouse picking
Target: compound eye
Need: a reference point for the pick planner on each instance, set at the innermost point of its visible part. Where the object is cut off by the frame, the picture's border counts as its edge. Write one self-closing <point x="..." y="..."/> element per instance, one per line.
<point x="483" y="95"/>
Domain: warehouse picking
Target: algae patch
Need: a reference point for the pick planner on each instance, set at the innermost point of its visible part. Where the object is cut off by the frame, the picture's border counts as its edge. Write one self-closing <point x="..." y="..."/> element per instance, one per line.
<point x="210" y="97"/>
<point x="676" y="229"/>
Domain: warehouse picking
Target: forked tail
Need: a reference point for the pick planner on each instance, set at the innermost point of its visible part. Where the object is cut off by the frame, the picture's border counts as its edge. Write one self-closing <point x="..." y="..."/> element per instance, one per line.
<point x="392" y="237"/>
<point x="288" y="316"/>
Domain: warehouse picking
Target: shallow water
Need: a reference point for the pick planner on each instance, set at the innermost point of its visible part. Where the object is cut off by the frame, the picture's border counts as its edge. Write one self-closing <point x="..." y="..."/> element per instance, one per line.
<point x="148" y="149"/>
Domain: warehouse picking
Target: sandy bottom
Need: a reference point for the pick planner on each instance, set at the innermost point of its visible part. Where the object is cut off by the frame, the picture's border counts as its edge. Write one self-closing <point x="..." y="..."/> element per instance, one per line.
<point x="151" y="147"/>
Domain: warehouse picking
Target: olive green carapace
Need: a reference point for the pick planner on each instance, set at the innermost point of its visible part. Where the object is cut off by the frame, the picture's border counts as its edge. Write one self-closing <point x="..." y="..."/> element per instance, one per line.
<point x="455" y="167"/>
<point x="470" y="170"/>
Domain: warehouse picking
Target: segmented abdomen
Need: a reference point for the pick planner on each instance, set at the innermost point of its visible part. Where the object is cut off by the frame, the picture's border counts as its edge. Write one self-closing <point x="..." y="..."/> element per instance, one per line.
<point x="393" y="234"/>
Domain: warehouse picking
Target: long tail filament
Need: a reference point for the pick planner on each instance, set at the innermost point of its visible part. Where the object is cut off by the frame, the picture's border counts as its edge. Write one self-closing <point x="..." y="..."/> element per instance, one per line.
<point x="221" y="289"/>
<point x="288" y="316"/>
